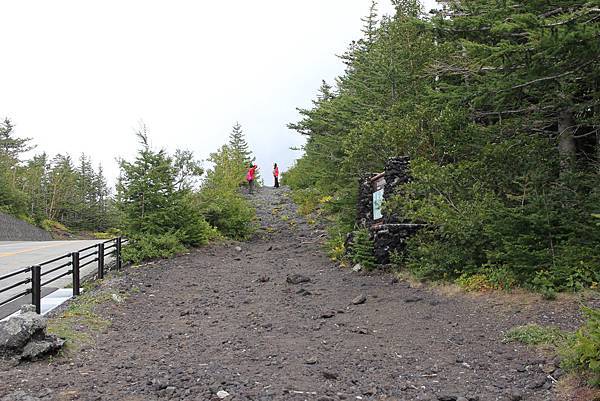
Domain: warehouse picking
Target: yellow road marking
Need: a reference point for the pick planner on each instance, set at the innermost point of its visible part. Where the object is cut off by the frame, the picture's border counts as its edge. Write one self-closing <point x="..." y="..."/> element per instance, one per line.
<point x="5" y="254"/>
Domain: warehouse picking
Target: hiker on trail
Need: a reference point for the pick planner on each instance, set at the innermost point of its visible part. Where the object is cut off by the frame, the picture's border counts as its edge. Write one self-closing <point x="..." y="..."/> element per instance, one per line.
<point x="250" y="177"/>
<point x="276" y="175"/>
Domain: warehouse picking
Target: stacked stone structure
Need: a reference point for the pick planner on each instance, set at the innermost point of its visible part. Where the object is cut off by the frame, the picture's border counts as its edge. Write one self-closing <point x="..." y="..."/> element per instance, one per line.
<point x="391" y="231"/>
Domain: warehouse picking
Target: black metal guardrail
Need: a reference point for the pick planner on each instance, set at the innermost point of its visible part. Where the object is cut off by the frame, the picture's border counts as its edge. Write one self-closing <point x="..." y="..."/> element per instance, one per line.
<point x="73" y="262"/>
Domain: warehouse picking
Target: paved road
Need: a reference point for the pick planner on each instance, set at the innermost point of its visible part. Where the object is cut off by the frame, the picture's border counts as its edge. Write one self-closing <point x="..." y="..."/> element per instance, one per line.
<point x="17" y="255"/>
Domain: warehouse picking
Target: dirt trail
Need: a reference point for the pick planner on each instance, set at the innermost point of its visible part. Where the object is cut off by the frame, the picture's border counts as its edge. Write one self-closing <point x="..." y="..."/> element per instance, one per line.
<point x="221" y="319"/>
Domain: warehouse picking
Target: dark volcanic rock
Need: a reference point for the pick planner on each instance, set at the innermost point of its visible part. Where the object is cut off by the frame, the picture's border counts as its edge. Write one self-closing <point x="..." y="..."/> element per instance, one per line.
<point x="297" y="279"/>
<point x="24" y="336"/>
<point x="361" y="299"/>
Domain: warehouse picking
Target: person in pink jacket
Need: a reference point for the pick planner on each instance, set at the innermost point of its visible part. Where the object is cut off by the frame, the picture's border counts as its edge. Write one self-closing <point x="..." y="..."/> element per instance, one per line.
<point x="276" y="175"/>
<point x="250" y="177"/>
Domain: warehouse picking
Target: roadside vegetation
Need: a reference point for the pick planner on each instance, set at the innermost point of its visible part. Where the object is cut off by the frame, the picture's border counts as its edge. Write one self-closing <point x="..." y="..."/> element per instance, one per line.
<point x="496" y="103"/>
<point x="77" y="323"/>
<point x="59" y="194"/>
<point x="579" y="352"/>
<point x="165" y="208"/>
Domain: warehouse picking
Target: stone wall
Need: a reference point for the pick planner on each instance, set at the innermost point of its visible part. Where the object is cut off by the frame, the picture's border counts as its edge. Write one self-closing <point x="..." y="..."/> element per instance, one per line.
<point x="13" y="229"/>
<point x="364" y="205"/>
<point x="392" y="231"/>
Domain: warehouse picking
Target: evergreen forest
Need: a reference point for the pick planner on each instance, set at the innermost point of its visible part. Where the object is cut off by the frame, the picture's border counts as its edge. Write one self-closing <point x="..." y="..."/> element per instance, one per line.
<point x="497" y="104"/>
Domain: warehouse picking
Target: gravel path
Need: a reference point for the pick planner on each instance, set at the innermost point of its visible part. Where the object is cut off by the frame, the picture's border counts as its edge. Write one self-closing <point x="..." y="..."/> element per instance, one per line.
<point x="221" y="320"/>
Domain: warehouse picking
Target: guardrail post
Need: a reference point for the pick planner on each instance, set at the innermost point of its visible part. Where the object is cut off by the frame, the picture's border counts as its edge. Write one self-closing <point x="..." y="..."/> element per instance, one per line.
<point x="100" y="261"/>
<point x="118" y="249"/>
<point x="75" y="265"/>
<point x="36" y="288"/>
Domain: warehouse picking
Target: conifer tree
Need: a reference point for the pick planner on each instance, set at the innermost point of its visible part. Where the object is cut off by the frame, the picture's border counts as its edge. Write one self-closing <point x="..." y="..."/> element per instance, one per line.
<point x="239" y="145"/>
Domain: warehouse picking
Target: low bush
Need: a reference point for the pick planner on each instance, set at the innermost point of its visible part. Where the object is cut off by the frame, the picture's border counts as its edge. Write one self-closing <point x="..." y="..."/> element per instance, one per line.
<point x="108" y="234"/>
<point x="149" y="247"/>
<point x="307" y="200"/>
<point x="362" y="249"/>
<point x="230" y="213"/>
<point x="220" y="200"/>
<point x="51" y="225"/>
<point x="582" y="353"/>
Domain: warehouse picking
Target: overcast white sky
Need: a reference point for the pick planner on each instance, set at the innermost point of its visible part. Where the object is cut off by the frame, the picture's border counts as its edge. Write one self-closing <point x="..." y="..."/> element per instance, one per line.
<point x="77" y="76"/>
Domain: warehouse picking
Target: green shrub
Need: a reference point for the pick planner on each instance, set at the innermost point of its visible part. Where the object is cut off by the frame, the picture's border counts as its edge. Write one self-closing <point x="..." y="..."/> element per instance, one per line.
<point x="149" y="247"/>
<point x="51" y="225"/>
<point x="220" y="200"/>
<point x="230" y="213"/>
<point x="538" y="237"/>
<point x="335" y="244"/>
<point x="362" y="249"/>
<point x="475" y="282"/>
<point x="583" y="352"/>
<point x="307" y="200"/>
<point x="108" y="234"/>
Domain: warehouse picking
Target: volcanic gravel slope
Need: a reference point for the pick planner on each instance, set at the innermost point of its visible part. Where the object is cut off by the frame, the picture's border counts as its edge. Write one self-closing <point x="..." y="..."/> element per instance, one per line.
<point x="221" y="319"/>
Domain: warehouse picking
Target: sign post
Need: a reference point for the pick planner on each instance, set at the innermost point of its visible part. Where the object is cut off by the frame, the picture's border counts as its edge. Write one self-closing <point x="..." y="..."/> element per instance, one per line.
<point x="378" y="186"/>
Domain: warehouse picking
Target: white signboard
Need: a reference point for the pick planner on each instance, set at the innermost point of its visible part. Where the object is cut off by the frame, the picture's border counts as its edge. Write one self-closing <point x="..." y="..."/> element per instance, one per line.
<point x="377" y="202"/>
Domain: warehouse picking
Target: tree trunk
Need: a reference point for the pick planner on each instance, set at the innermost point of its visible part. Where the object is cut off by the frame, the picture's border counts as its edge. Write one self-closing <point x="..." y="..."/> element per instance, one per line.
<point x="566" y="140"/>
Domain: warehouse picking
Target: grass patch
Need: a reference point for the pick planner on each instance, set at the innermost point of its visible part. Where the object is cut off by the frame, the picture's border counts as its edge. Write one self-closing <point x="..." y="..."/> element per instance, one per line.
<point x="77" y="323"/>
<point x="534" y="334"/>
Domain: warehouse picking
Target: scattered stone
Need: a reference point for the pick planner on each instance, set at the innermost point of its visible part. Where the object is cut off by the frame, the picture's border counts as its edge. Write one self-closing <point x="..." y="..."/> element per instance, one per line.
<point x="413" y="299"/>
<point x="548" y="368"/>
<point x="27" y="309"/>
<point x="238" y="248"/>
<point x="35" y="350"/>
<point x="360" y="330"/>
<point x="24" y="336"/>
<point x="516" y="395"/>
<point x="330" y="375"/>
<point x="270" y="248"/>
<point x="264" y="279"/>
<point x="311" y="361"/>
<point x="537" y="383"/>
<point x="328" y="314"/>
<point x="17" y="331"/>
<point x="361" y="299"/>
<point x="446" y="397"/>
<point x="19" y="396"/>
<point x="556" y="361"/>
<point x="297" y="279"/>
<point x="159" y="384"/>
<point x="222" y="394"/>
<point x="117" y="298"/>
<point x="304" y="292"/>
<point x="357" y="267"/>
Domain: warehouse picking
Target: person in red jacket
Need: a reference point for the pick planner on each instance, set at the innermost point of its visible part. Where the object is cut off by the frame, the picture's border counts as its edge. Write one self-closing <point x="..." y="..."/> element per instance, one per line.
<point x="276" y="175"/>
<point x="250" y="177"/>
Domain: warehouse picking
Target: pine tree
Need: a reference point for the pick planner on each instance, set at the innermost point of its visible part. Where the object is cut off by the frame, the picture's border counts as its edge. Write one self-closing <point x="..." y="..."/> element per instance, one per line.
<point x="153" y="203"/>
<point x="370" y="23"/>
<point x="497" y="105"/>
<point x="239" y="146"/>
